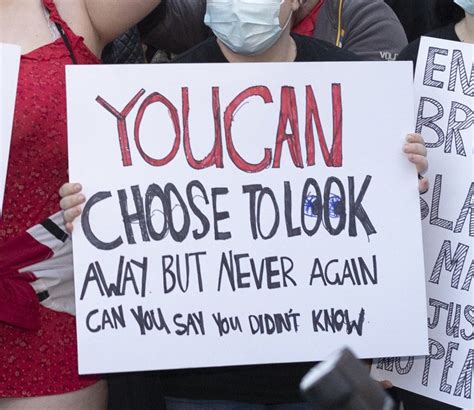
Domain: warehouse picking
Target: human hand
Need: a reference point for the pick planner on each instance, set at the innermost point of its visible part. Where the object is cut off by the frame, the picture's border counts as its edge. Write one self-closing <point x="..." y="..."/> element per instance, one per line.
<point x="71" y="201"/>
<point x="416" y="153"/>
<point x="386" y="384"/>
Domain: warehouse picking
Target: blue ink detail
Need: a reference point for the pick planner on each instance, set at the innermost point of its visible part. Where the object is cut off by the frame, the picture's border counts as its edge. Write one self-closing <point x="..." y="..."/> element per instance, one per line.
<point x="310" y="205"/>
<point x="334" y="206"/>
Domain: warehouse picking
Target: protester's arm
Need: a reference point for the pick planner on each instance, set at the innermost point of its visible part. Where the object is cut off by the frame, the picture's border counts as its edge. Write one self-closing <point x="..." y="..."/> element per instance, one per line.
<point x="372" y="31"/>
<point x="110" y="18"/>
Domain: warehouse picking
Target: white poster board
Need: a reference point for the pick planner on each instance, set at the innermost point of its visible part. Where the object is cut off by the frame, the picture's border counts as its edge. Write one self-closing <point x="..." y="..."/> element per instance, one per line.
<point x="248" y="214"/>
<point x="444" y="87"/>
<point x="9" y="68"/>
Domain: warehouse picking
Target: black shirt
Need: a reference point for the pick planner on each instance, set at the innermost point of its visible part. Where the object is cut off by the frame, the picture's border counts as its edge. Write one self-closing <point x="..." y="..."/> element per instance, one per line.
<point x="410" y="52"/>
<point x="307" y="49"/>
<point x="267" y="384"/>
<point x="417" y="16"/>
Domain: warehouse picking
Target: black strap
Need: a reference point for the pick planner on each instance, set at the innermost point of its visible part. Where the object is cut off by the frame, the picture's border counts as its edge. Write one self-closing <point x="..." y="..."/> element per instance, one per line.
<point x="66" y="42"/>
<point x="54" y="230"/>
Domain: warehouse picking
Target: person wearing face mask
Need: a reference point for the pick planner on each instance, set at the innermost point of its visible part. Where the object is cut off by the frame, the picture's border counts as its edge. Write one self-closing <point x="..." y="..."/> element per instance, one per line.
<point x="306" y="47"/>
<point x="457" y="20"/>
<point x="250" y="31"/>
<point x="368" y="28"/>
<point x="247" y="33"/>
<point x="258" y="31"/>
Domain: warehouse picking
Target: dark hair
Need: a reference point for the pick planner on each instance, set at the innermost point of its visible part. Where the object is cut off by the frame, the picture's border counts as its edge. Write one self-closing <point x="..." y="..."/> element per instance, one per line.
<point x="447" y="12"/>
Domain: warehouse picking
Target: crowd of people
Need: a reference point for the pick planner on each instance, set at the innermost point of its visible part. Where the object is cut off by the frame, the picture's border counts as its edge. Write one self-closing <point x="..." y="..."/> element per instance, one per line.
<point x="38" y="358"/>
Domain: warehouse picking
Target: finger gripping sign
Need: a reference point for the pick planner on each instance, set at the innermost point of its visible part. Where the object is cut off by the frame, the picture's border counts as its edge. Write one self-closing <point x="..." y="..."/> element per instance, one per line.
<point x="444" y="107"/>
<point x="244" y="214"/>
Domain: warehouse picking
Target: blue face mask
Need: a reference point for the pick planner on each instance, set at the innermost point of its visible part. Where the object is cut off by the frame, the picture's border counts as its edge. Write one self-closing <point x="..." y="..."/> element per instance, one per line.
<point x="247" y="27"/>
<point x="467" y="5"/>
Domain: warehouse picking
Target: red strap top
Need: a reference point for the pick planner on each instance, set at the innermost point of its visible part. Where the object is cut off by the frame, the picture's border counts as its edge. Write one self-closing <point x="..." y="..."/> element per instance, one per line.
<point x="56" y="18"/>
<point x="42" y="362"/>
<point x="38" y="154"/>
<point x="38" y="157"/>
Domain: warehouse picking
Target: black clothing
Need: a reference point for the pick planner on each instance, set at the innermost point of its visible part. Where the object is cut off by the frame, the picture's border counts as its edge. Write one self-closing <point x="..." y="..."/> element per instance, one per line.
<point x="125" y="49"/>
<point x="277" y="383"/>
<point x="308" y="49"/>
<point x="270" y="384"/>
<point x="410" y="53"/>
<point x="413" y="401"/>
<point x="135" y="391"/>
<point x="447" y="12"/>
<point x="175" y="26"/>
<point x="417" y="16"/>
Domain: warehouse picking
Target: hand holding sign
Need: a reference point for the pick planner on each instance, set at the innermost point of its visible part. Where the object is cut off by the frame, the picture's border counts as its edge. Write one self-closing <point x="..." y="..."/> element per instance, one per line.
<point x="71" y="201"/>
<point x="416" y="152"/>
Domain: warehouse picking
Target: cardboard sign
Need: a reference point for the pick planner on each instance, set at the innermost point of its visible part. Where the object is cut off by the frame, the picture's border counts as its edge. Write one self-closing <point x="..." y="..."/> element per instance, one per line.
<point x="445" y="99"/>
<point x="243" y="214"/>
<point x="9" y="68"/>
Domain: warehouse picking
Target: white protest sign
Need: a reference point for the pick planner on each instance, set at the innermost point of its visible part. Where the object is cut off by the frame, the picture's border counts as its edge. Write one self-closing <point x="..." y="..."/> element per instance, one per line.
<point x="9" y="68"/>
<point x="244" y="214"/>
<point x="444" y="86"/>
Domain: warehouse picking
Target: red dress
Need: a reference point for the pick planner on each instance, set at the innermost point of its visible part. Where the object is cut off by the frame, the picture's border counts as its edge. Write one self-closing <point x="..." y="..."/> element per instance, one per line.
<point x="43" y="362"/>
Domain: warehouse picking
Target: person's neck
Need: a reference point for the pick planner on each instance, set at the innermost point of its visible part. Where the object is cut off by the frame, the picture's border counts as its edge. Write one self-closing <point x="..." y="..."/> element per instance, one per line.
<point x="465" y="29"/>
<point x="284" y="50"/>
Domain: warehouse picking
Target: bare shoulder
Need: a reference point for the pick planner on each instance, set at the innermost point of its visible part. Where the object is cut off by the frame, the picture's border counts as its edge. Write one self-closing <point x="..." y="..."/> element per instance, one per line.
<point x="101" y="21"/>
<point x="75" y="14"/>
<point x="25" y="23"/>
<point x="111" y="18"/>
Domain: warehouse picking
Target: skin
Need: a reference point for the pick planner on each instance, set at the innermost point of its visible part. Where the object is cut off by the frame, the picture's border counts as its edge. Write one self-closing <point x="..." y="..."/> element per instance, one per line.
<point x="99" y="22"/>
<point x="90" y="398"/>
<point x="465" y="29"/>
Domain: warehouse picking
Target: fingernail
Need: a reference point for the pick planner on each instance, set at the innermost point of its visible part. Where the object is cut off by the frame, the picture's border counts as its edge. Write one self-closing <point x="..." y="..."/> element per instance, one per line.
<point x="77" y="187"/>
